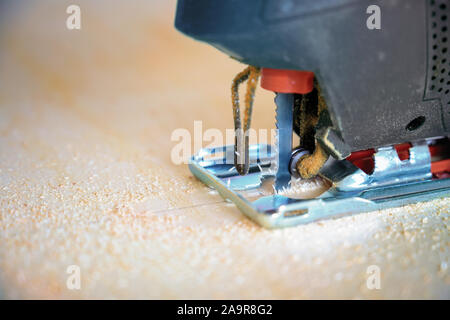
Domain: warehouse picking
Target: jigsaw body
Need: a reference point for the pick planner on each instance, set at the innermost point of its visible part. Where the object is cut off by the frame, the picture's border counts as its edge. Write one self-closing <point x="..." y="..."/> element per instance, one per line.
<point x="371" y="106"/>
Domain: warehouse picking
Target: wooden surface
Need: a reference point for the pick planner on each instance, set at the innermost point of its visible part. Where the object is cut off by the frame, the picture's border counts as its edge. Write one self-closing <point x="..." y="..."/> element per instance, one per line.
<point x="86" y="176"/>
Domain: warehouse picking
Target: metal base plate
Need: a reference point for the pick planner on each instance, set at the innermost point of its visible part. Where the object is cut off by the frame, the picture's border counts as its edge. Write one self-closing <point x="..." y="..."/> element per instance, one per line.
<point x="214" y="167"/>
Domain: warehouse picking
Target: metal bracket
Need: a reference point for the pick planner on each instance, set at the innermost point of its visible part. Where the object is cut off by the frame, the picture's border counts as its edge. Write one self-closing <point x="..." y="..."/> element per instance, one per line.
<point x="393" y="183"/>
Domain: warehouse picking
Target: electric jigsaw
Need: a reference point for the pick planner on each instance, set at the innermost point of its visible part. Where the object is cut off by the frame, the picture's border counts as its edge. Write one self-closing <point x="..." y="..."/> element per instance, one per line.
<point x="369" y="101"/>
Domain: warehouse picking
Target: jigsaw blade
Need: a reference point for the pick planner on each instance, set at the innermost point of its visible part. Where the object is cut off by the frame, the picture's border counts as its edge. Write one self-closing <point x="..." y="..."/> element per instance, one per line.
<point x="284" y="123"/>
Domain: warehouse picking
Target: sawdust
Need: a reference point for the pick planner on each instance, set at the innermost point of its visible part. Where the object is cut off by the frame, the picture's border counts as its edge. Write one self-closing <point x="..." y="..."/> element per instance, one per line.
<point x="306" y="188"/>
<point x="88" y="180"/>
<point x="309" y="165"/>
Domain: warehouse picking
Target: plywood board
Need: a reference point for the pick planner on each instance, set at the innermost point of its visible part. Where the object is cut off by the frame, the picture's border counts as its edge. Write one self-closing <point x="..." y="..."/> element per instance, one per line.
<point x="86" y="176"/>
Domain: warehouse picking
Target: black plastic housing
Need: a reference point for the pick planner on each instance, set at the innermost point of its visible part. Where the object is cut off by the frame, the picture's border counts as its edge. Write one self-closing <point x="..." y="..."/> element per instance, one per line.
<point x="378" y="84"/>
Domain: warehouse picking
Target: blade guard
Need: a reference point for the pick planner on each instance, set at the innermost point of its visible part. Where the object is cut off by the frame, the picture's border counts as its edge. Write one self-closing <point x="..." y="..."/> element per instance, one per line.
<point x="287" y="81"/>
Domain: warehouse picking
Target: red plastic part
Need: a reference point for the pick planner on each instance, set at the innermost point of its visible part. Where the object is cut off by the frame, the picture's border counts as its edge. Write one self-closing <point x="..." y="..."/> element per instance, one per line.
<point x="403" y="150"/>
<point x="364" y="159"/>
<point x="442" y="166"/>
<point x="287" y="81"/>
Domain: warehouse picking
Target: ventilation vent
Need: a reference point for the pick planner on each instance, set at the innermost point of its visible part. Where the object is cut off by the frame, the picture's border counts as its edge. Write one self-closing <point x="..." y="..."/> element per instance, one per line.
<point x="438" y="82"/>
